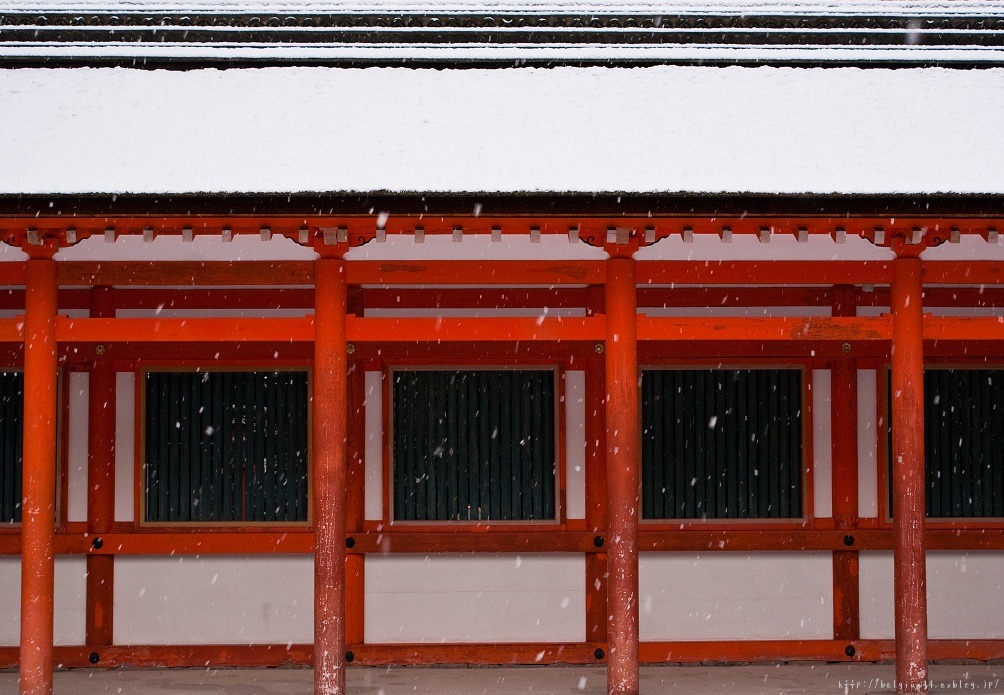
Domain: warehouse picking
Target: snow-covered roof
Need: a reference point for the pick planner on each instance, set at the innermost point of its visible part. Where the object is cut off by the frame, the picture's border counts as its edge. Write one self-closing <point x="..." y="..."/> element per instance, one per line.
<point x="661" y="129"/>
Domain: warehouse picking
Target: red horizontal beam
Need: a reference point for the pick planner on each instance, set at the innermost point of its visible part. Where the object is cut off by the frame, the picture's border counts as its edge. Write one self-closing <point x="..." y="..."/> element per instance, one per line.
<point x="189" y="330"/>
<point x="964" y="328"/>
<point x="964" y="272"/>
<point x="12" y="330"/>
<point x="412" y="330"/>
<point x="822" y="328"/>
<point x="720" y="651"/>
<point x="363" y="227"/>
<point x="299" y="540"/>
<point x="682" y="651"/>
<point x="506" y="273"/>
<point x="763" y="272"/>
<point x="479" y="654"/>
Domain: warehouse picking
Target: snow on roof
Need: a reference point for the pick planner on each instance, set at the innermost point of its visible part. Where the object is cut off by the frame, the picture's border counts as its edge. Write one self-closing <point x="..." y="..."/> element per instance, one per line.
<point x="640" y="130"/>
<point x="584" y="31"/>
<point x="882" y="7"/>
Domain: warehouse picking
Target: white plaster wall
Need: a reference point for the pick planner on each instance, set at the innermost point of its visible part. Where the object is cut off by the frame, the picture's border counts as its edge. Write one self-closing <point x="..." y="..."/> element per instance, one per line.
<point x="727" y="595"/>
<point x="76" y="463"/>
<point x="867" y="444"/>
<point x="475" y="598"/>
<point x="373" y="449"/>
<point x="125" y="445"/>
<point x="71" y="585"/>
<point x="822" y="452"/>
<point x="965" y="595"/>
<point x="748" y="247"/>
<point x="575" y="445"/>
<point x="214" y="600"/>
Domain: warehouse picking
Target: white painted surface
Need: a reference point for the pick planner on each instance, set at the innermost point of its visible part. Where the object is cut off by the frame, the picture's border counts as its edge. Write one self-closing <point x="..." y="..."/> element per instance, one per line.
<point x="214" y="600"/>
<point x="475" y="247"/>
<point x="125" y="446"/>
<point x="71" y="584"/>
<point x="965" y="594"/>
<point x="365" y="130"/>
<point x="173" y="248"/>
<point x="475" y="598"/>
<point x="575" y="444"/>
<point x="867" y="444"/>
<point x="747" y="247"/>
<point x="822" y="451"/>
<point x="725" y="595"/>
<point x="374" y="450"/>
<point x="76" y="462"/>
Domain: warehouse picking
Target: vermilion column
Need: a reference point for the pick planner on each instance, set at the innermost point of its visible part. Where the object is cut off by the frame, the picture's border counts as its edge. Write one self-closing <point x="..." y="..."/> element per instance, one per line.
<point x="844" y="436"/>
<point x="38" y="514"/>
<point x="329" y="418"/>
<point x="100" y="480"/>
<point x="623" y="456"/>
<point x="908" y="474"/>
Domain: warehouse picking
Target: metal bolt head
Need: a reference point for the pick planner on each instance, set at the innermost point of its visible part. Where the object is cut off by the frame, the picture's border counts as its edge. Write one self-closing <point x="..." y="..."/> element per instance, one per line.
<point x="845" y="348"/>
<point x="350" y="348"/>
<point x="599" y="348"/>
<point x="99" y="349"/>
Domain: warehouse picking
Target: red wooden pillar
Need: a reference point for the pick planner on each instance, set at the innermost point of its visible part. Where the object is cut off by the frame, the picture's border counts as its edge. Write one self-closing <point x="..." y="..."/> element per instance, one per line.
<point x="100" y="481"/>
<point x="329" y="420"/>
<point x="355" y="503"/>
<point x="623" y="456"/>
<point x="596" y="501"/>
<point x="38" y="514"/>
<point x="844" y="438"/>
<point x="908" y="473"/>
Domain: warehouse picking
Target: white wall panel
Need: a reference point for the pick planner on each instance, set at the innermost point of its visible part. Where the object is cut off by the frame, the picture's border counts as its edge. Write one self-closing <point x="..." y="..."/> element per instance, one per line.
<point x="867" y="444"/>
<point x="575" y="445"/>
<point x="214" y="600"/>
<point x="475" y="598"/>
<point x="125" y="443"/>
<point x="965" y="593"/>
<point x="726" y="595"/>
<point x="71" y="586"/>
<point x="373" y="448"/>
<point x="76" y="463"/>
<point x="822" y="451"/>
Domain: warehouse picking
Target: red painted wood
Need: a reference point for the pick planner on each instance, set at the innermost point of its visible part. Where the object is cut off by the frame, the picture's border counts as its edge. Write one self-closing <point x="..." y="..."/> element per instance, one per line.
<point x="271" y="655"/>
<point x="355" y="503"/>
<point x="38" y="524"/>
<point x="596" y="500"/>
<point x="623" y="420"/>
<point x="736" y="329"/>
<point x="844" y="475"/>
<point x="329" y="418"/>
<point x="100" y="481"/>
<point x="908" y="475"/>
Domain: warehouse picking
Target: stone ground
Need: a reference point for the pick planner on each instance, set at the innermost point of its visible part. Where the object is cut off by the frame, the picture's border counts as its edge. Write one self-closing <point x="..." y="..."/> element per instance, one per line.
<point x="787" y="679"/>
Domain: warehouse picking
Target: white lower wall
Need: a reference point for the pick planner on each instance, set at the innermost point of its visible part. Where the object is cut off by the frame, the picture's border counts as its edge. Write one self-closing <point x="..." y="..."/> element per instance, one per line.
<point x="71" y="588"/>
<point x="214" y="600"/>
<point x="965" y="595"/>
<point x="726" y="595"/>
<point x="475" y="598"/>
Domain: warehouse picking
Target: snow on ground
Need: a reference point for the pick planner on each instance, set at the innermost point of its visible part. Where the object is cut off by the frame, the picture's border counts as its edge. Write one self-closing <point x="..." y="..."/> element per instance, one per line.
<point x="655" y="129"/>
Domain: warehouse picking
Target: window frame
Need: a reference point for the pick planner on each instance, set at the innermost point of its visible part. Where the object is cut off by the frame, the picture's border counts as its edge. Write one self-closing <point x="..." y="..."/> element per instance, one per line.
<point x="807" y="519"/>
<point x="139" y="469"/>
<point x="884" y="452"/>
<point x="62" y="448"/>
<point x="560" y="521"/>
